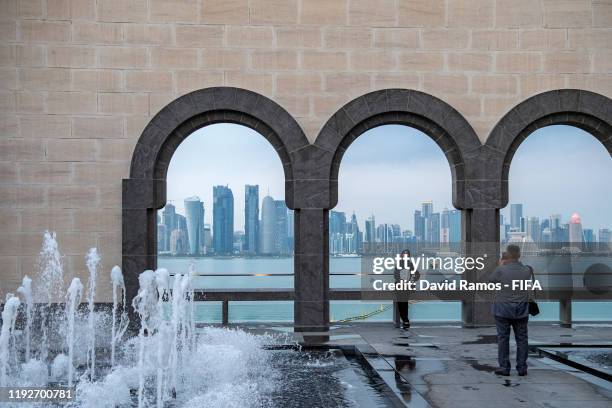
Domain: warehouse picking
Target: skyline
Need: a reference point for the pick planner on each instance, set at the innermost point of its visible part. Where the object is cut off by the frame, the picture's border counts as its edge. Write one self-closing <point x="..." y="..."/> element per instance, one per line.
<point x="541" y="153"/>
<point x="509" y="220"/>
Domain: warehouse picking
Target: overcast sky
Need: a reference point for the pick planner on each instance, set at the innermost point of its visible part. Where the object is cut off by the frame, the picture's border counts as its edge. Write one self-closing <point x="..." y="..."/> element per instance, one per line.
<point x="390" y="170"/>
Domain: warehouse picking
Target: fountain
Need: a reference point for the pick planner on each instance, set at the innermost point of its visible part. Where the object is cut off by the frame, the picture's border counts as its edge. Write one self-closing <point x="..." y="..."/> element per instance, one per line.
<point x="7" y="342"/>
<point x="92" y="262"/>
<point x="167" y="364"/>
<point x="26" y="291"/>
<point x="50" y="284"/>
<point x="73" y="299"/>
<point x="117" y="332"/>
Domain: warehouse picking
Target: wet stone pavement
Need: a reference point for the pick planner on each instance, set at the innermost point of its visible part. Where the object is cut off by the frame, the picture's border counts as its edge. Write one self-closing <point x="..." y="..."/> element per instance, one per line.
<point x="448" y="366"/>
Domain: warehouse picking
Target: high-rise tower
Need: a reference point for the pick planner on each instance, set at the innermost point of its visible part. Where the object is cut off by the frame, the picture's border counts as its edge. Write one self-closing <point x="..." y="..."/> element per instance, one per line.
<point x="223" y="220"/>
<point x="575" y="232"/>
<point x="516" y="213"/>
<point x="251" y="219"/>
<point x="194" y="212"/>
<point x="267" y="226"/>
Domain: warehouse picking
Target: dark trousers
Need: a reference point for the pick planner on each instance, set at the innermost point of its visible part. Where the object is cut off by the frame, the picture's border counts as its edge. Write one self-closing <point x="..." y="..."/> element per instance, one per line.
<point x="503" y="341"/>
<point x="402" y="309"/>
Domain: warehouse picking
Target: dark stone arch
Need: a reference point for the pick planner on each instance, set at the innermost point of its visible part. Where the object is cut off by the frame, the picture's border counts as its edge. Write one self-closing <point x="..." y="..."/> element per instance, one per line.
<point x="586" y="110"/>
<point x="188" y="113"/>
<point x="145" y="191"/>
<point x="317" y="166"/>
<point x="447" y="127"/>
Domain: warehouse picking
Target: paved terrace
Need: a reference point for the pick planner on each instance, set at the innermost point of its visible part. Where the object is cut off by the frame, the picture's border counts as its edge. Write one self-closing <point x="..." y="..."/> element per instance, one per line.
<point x="448" y="366"/>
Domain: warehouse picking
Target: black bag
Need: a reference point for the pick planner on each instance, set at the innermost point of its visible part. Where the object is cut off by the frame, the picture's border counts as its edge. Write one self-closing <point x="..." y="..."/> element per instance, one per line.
<point x="534" y="309"/>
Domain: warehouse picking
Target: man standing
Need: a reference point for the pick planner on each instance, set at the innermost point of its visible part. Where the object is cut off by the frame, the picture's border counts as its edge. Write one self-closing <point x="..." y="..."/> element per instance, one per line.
<point x="511" y="309"/>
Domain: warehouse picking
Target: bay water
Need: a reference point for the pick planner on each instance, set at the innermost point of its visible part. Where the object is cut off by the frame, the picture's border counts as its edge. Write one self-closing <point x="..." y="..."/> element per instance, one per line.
<point x="264" y="272"/>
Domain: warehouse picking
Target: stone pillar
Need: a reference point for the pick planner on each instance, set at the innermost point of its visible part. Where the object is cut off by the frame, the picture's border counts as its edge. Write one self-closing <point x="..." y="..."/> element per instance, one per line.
<point x="311" y="269"/>
<point x="139" y="245"/>
<point x="311" y="192"/>
<point x="481" y="236"/>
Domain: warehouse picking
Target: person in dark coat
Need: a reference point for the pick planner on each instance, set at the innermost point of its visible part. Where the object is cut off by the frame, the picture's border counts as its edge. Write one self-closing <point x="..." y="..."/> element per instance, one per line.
<point x="408" y="274"/>
<point x="511" y="310"/>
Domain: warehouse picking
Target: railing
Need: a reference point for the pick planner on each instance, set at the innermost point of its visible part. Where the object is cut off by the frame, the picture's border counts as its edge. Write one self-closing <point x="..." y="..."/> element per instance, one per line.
<point x="564" y="297"/>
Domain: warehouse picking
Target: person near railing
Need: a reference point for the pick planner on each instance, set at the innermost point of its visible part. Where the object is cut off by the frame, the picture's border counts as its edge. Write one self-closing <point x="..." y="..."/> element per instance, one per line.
<point x="408" y="273"/>
<point x="511" y="310"/>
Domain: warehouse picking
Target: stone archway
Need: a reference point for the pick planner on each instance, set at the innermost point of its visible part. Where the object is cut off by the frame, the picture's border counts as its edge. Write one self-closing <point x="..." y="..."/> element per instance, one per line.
<point x="317" y="166"/>
<point x="144" y="192"/>
<point x="586" y="110"/>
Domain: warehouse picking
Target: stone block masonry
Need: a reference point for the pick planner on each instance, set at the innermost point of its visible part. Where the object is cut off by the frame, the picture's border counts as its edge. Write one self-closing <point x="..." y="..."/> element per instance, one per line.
<point x="80" y="80"/>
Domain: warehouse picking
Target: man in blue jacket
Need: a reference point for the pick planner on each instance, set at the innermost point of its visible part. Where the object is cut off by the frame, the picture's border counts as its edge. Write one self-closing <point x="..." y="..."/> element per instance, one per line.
<point x="511" y="310"/>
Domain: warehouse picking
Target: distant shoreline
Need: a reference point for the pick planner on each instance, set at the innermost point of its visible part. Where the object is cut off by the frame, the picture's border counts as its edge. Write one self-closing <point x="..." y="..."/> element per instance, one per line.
<point x="224" y="257"/>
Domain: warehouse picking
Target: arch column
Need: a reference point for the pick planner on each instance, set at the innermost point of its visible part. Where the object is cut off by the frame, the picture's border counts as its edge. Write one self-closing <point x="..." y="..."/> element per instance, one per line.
<point x="480" y="229"/>
<point x="312" y="201"/>
<point x="141" y="200"/>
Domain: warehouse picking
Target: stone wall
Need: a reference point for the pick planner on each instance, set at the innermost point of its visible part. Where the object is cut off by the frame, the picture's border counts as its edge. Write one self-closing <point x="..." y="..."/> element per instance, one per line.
<point x="80" y="79"/>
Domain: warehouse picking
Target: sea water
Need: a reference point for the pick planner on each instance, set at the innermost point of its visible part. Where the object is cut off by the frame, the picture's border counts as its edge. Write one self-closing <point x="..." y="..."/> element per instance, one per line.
<point x="278" y="273"/>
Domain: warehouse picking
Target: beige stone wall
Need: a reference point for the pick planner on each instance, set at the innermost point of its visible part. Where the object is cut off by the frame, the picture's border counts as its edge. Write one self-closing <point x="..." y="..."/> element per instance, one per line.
<point x="79" y="79"/>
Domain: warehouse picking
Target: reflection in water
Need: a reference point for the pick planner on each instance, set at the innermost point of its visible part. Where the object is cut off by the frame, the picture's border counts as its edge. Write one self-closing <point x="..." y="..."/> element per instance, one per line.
<point x="404" y="364"/>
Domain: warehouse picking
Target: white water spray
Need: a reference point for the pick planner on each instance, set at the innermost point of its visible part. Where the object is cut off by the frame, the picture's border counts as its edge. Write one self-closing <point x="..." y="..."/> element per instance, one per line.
<point x="117" y="332"/>
<point x="26" y="291"/>
<point x="9" y="314"/>
<point x="145" y="304"/>
<point x="162" y="279"/>
<point x="92" y="261"/>
<point x="165" y="361"/>
<point x="49" y="286"/>
<point x="73" y="298"/>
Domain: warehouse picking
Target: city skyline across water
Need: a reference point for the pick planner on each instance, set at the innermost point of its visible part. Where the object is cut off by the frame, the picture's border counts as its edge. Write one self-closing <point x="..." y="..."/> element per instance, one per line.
<point x="272" y="233"/>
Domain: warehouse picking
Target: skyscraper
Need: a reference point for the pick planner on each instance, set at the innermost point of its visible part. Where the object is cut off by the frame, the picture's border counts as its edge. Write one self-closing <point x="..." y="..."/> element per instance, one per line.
<point x="194" y="212"/>
<point x="575" y="232"/>
<point x="181" y="225"/>
<point x="445" y="227"/>
<point x="419" y="226"/>
<point x="589" y="239"/>
<point x="370" y="229"/>
<point x="281" y="237"/>
<point x="532" y="228"/>
<point x="337" y="232"/>
<point x="354" y="236"/>
<point x="223" y="220"/>
<point x="427" y="209"/>
<point x="516" y="213"/>
<point x="161" y="238"/>
<point x="169" y="220"/>
<point x="178" y="242"/>
<point x="267" y="227"/>
<point x="454" y="225"/>
<point x="251" y="219"/>
<point x="337" y="222"/>
<point x="434" y="229"/>
<point x="208" y="244"/>
<point x="555" y="228"/>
